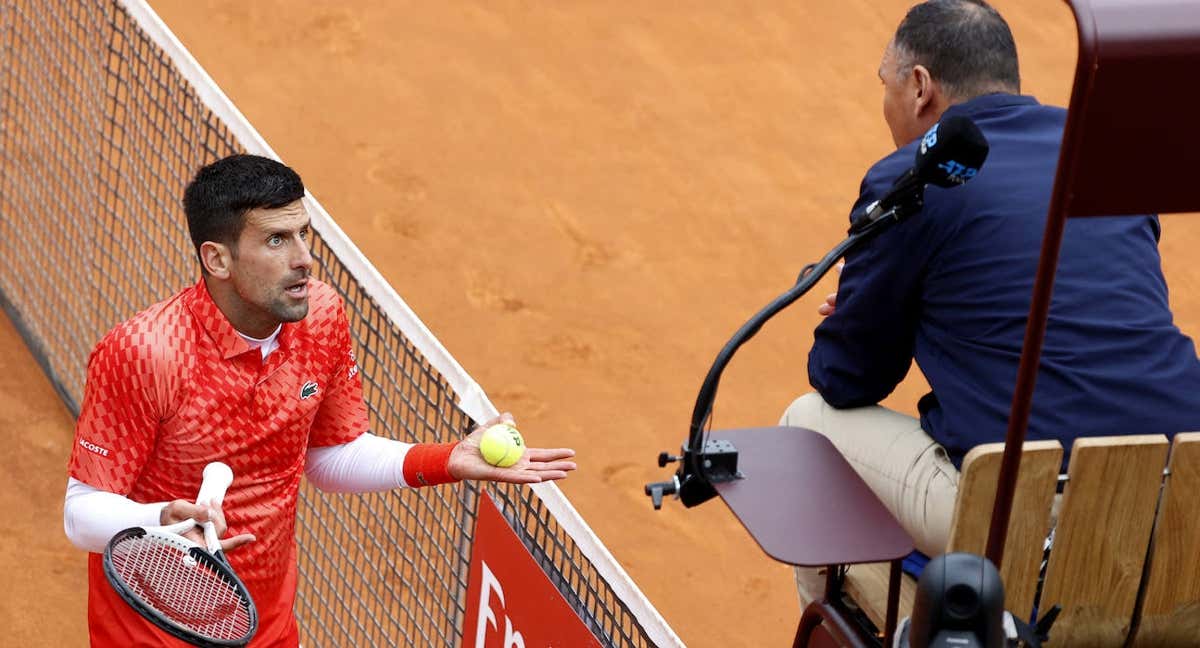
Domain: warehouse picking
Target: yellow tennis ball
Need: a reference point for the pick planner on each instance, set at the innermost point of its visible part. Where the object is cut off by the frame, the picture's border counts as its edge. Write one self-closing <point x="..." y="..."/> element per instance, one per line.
<point x="501" y="445"/>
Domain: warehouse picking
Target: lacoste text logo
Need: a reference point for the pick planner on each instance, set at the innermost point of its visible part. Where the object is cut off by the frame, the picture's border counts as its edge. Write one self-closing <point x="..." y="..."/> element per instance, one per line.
<point x="309" y="389"/>
<point x="103" y="452"/>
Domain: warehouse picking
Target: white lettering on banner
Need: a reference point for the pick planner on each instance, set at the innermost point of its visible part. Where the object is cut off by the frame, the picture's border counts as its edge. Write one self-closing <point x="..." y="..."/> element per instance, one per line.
<point x="103" y="452"/>
<point x="487" y="617"/>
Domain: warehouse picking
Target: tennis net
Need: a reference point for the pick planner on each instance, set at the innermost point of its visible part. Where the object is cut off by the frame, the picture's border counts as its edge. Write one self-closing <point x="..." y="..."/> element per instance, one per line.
<point x="104" y="117"/>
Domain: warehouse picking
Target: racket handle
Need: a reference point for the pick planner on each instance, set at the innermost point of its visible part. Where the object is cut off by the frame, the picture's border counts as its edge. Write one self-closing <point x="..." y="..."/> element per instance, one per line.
<point x="217" y="478"/>
<point x="211" y="539"/>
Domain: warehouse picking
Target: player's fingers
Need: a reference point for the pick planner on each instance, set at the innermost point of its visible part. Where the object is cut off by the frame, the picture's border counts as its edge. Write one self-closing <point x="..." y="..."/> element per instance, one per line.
<point x="548" y="454"/>
<point x="555" y="466"/>
<point x="229" y="544"/>
<point x="195" y="535"/>
<point x="515" y="476"/>
<point x="180" y="510"/>
<point x="217" y="516"/>
<point x="552" y="475"/>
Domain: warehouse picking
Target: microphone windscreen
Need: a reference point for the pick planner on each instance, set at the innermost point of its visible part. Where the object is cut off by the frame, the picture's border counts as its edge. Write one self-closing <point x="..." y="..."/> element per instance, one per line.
<point x="951" y="152"/>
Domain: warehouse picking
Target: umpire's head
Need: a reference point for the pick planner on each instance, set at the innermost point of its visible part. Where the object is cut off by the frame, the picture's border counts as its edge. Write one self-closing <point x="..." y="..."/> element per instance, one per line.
<point x="944" y="52"/>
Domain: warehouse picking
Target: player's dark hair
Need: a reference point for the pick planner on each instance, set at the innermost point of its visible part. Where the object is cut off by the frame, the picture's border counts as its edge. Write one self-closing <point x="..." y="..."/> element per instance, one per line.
<point x="217" y="199"/>
<point x="965" y="44"/>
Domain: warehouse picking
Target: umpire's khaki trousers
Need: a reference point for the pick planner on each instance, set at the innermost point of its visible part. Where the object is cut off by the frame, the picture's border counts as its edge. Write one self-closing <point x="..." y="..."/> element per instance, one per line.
<point x="909" y="471"/>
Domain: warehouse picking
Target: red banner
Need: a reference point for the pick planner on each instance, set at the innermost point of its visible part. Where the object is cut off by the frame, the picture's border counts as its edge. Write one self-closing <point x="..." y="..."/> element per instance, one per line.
<point x="510" y="602"/>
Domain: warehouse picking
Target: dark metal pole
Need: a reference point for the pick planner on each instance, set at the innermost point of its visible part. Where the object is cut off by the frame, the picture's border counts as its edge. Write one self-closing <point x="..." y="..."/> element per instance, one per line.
<point x="893" y="603"/>
<point x="1031" y="353"/>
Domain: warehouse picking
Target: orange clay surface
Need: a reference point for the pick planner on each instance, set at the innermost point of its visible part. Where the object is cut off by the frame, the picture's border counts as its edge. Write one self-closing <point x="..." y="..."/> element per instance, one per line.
<point x="583" y="201"/>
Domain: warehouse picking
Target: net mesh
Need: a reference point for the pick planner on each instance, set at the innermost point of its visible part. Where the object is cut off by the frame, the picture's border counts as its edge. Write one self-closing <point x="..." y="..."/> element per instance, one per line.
<point x="99" y="133"/>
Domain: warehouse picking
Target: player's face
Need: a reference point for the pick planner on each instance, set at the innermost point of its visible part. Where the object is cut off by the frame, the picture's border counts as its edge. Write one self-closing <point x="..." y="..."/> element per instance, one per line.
<point x="270" y="266"/>
<point x="899" y="109"/>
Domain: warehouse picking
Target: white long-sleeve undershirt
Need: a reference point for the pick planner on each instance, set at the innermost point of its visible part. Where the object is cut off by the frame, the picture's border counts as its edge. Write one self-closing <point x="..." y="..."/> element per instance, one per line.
<point x="91" y="516"/>
<point x="365" y="465"/>
<point x="368" y="464"/>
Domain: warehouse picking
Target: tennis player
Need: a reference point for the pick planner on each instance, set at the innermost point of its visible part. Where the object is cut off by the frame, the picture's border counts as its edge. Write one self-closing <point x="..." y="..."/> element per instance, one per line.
<point x="252" y="366"/>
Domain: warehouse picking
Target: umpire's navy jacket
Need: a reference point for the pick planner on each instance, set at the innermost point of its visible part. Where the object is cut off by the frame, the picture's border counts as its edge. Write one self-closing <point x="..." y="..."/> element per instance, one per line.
<point x="951" y="288"/>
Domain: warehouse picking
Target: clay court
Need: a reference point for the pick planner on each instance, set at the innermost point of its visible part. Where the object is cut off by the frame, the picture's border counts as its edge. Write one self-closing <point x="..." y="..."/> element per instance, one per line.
<point x="583" y="201"/>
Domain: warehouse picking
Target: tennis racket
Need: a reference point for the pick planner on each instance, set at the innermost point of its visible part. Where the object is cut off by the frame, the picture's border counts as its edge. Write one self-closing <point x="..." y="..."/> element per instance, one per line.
<point x="185" y="589"/>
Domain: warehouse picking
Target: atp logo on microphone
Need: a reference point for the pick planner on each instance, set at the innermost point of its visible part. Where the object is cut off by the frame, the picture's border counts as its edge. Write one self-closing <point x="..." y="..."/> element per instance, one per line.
<point x="955" y="172"/>
<point x="930" y="139"/>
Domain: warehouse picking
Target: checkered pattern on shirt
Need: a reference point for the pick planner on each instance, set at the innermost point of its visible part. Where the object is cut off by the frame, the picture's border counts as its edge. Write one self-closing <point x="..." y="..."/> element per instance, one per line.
<point x="176" y="387"/>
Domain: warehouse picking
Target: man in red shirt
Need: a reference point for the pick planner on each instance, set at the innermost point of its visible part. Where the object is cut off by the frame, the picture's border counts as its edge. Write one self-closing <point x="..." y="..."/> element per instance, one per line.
<point x="252" y="366"/>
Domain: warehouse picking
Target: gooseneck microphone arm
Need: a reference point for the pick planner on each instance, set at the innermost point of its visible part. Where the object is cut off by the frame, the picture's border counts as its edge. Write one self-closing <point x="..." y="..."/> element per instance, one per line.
<point x="809" y="278"/>
<point x="705" y="463"/>
<point x="950" y="154"/>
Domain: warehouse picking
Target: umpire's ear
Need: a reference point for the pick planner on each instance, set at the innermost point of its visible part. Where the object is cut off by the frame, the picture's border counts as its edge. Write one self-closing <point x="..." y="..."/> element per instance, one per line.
<point x="216" y="259"/>
<point x="928" y="98"/>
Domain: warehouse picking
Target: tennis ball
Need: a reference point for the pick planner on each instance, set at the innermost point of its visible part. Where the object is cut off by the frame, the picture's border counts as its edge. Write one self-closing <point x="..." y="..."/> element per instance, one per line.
<point x="501" y="445"/>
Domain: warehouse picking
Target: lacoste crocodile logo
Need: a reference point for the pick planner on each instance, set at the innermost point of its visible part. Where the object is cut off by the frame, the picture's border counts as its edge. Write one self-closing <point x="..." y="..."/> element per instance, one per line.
<point x="309" y="389"/>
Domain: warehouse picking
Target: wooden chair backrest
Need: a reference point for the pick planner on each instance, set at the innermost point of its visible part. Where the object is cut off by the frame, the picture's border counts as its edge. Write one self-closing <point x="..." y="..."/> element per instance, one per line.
<point x="1099" y="559"/>
<point x="1040" y="461"/>
<point x="1102" y="538"/>
<point x="1170" y="614"/>
<point x="1030" y="520"/>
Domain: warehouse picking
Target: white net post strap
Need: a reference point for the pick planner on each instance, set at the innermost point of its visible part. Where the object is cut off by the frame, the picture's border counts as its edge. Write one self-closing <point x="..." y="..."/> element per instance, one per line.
<point x="472" y="398"/>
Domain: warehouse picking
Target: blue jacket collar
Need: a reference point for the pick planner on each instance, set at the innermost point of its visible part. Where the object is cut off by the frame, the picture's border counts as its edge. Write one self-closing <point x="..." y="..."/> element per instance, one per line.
<point x="989" y="102"/>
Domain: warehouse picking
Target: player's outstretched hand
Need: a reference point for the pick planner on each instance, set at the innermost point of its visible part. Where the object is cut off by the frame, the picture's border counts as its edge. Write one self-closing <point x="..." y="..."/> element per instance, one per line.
<point x="180" y="510"/>
<point x="535" y="465"/>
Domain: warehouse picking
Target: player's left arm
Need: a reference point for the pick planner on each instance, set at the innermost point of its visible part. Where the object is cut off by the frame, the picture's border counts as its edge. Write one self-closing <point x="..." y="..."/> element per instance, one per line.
<point x="371" y="463"/>
<point x="343" y="457"/>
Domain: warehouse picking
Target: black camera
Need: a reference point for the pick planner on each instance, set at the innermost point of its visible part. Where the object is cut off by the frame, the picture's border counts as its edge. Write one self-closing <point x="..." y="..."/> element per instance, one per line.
<point x="959" y="604"/>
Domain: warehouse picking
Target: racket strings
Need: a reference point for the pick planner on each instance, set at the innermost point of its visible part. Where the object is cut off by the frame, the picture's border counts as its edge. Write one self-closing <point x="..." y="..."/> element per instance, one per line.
<point x="183" y="589"/>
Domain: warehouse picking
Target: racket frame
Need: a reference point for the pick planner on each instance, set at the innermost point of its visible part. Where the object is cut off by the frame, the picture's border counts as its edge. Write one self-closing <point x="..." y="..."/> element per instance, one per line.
<point x="217" y="478"/>
<point x="216" y="562"/>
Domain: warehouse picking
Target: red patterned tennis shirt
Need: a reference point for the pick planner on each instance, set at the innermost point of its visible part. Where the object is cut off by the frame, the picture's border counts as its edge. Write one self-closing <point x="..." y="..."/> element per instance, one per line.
<point x="175" y="388"/>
